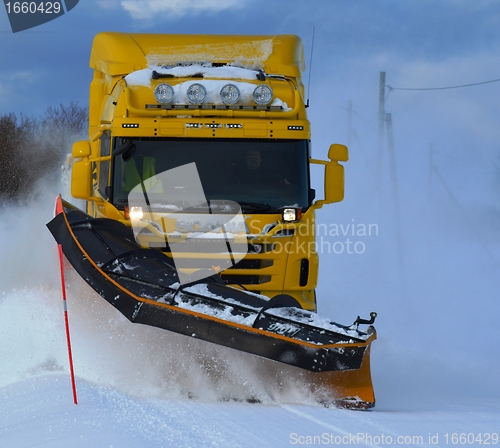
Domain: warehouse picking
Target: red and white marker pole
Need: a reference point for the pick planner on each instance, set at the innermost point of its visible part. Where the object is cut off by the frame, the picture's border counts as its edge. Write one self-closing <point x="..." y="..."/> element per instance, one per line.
<point x="68" y="339"/>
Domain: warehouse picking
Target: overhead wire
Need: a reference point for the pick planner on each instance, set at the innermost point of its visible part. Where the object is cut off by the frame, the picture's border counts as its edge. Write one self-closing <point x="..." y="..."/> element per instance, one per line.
<point x="442" y="88"/>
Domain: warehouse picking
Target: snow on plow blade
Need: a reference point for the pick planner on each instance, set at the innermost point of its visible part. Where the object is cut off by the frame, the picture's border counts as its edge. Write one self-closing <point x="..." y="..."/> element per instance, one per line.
<point x="144" y="286"/>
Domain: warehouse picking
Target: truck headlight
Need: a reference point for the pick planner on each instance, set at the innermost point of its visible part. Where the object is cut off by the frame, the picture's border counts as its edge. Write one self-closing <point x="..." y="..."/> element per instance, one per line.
<point x="196" y="93"/>
<point x="136" y="213"/>
<point x="164" y="93"/>
<point x="263" y="94"/>
<point x="229" y="94"/>
<point x="291" y="214"/>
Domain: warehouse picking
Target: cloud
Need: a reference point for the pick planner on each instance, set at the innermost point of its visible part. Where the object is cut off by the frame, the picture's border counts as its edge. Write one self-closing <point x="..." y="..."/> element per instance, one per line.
<point x="150" y="9"/>
<point x="11" y="77"/>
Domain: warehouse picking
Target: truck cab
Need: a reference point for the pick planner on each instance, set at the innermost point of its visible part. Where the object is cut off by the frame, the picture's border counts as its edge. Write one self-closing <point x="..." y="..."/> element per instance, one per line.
<point x="232" y="105"/>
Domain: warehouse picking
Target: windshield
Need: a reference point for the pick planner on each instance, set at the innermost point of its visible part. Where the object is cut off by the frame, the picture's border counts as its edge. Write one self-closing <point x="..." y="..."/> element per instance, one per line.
<point x="260" y="175"/>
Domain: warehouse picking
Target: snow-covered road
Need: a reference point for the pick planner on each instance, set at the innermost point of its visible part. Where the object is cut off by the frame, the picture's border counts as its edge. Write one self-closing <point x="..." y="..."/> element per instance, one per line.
<point x="39" y="412"/>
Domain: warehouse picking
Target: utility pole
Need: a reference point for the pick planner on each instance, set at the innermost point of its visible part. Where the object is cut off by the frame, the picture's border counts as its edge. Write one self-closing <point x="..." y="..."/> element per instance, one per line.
<point x="381" y="118"/>
<point x="392" y="162"/>
<point x="395" y="199"/>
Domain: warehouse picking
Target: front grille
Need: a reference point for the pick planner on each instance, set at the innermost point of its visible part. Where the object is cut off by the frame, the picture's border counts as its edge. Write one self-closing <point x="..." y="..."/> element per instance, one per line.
<point x="245" y="279"/>
<point x="231" y="275"/>
<point x="249" y="263"/>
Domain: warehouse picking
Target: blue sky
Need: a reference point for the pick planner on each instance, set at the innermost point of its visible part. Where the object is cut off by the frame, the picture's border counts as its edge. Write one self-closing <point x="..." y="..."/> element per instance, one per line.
<point x="419" y="43"/>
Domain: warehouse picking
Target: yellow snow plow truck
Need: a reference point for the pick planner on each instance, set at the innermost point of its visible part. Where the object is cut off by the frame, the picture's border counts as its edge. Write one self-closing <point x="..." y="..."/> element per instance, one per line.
<point x="200" y="217"/>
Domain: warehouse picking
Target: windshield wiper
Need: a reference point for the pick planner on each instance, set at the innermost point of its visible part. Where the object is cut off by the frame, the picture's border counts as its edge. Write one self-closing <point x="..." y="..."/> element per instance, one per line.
<point x="256" y="206"/>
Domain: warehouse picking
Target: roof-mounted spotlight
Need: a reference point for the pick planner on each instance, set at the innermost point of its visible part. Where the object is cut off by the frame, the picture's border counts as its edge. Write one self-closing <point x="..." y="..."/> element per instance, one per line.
<point x="263" y="94"/>
<point x="229" y="94"/>
<point x="196" y="93"/>
<point x="164" y="93"/>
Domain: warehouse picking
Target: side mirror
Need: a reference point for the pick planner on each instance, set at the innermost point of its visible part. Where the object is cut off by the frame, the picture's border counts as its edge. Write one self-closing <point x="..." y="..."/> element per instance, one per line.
<point x="81" y="179"/>
<point x="334" y="182"/>
<point x="334" y="173"/>
<point x="81" y="149"/>
<point x="338" y="152"/>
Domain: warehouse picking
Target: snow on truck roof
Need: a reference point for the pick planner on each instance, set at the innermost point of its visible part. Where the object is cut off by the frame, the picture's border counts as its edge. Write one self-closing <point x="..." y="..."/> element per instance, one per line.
<point x="119" y="54"/>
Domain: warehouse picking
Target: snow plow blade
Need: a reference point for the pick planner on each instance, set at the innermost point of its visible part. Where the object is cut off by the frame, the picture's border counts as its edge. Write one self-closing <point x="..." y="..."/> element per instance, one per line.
<point x="143" y="285"/>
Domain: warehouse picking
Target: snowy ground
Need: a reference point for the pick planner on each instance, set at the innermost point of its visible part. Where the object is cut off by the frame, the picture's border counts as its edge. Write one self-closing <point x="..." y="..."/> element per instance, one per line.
<point x="38" y="412"/>
<point x="435" y="368"/>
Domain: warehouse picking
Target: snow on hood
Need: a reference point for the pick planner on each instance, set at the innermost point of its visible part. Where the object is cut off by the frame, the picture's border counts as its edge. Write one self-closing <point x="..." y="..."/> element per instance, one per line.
<point x="219" y="78"/>
<point x="143" y="77"/>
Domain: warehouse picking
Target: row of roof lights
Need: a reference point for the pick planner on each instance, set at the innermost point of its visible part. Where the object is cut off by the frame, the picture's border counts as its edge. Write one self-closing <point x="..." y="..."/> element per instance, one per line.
<point x="229" y="94"/>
